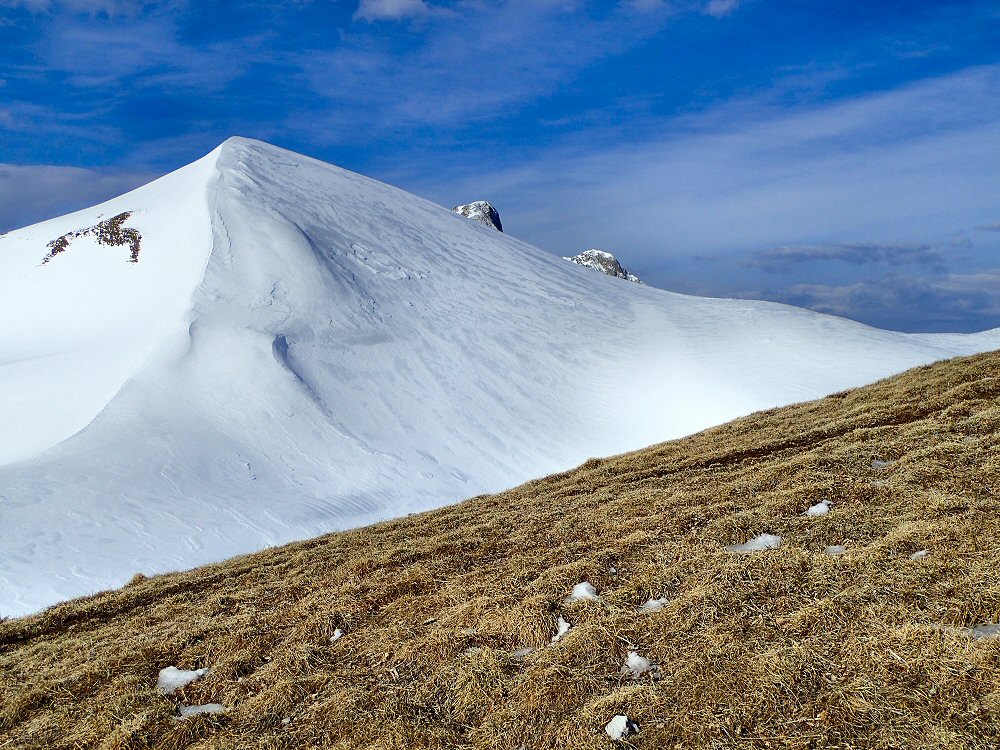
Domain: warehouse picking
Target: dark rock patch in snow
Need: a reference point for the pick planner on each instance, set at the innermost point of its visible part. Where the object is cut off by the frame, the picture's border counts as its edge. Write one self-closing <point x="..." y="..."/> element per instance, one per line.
<point x="604" y="262"/>
<point x="480" y="211"/>
<point x="109" y="232"/>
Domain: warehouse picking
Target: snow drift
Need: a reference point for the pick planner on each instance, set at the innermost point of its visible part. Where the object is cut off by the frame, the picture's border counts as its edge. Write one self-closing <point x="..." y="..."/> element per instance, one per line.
<point x="298" y="349"/>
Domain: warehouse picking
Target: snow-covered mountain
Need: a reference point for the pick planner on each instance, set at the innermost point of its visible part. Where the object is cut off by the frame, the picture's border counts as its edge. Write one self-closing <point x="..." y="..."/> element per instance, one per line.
<point x="481" y="211"/>
<point x="605" y="262"/>
<point x="261" y="347"/>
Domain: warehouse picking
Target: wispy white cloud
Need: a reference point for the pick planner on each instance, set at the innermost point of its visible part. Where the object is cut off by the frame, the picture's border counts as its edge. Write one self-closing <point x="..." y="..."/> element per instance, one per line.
<point x="474" y="63"/>
<point x="29" y="194"/>
<point x="19" y="117"/>
<point x="90" y="7"/>
<point x="98" y="54"/>
<point x="778" y="259"/>
<point x="391" y="10"/>
<point x="471" y="60"/>
<point x="947" y="303"/>
<point x="916" y="164"/>
<point x="647" y="6"/>
<point x="715" y="8"/>
<point x="720" y="8"/>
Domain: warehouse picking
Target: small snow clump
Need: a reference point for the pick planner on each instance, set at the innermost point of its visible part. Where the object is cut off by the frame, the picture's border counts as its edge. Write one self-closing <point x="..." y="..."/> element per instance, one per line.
<point x="757" y="544"/>
<point x="635" y="666"/>
<point x="920" y="554"/>
<point x="654" y="605"/>
<point x="337" y="635"/>
<point x="835" y="549"/>
<point x="819" y="509"/>
<point x="172" y="678"/>
<point x="581" y="592"/>
<point x="563" y="629"/>
<point x="621" y="727"/>
<point x="986" y="630"/>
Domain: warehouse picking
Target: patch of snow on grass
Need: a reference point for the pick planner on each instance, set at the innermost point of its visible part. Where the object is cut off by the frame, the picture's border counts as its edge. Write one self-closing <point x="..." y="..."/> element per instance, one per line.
<point x="920" y="554"/>
<point x="582" y="592"/>
<point x="621" y="727"/>
<point x="819" y="509"/>
<point x="835" y="549"/>
<point x="878" y="464"/>
<point x="172" y="678"/>
<point x="636" y="666"/>
<point x="654" y="605"/>
<point x="337" y="635"/>
<point x="205" y="708"/>
<point x="757" y="544"/>
<point x="986" y="630"/>
<point x="563" y="629"/>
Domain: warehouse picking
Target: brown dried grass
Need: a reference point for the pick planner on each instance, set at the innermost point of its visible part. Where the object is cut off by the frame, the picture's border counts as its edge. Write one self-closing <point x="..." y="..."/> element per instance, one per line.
<point x="788" y="648"/>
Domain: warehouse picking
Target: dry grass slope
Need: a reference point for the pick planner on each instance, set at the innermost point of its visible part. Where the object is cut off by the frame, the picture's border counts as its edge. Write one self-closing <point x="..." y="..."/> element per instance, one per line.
<point x="788" y="648"/>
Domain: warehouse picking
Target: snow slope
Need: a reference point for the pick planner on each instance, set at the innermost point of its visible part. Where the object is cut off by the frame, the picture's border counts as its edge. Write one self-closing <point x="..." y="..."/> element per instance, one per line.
<point x="300" y="349"/>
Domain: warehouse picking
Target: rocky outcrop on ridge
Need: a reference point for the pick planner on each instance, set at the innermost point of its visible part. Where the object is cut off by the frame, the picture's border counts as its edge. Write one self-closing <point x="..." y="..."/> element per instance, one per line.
<point x="604" y="262"/>
<point x="109" y="232"/>
<point x="481" y="211"/>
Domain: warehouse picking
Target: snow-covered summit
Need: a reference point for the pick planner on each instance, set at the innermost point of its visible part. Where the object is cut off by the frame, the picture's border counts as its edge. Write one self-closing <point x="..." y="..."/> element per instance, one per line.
<point x="604" y="262"/>
<point x="481" y="211"/>
<point x="261" y="347"/>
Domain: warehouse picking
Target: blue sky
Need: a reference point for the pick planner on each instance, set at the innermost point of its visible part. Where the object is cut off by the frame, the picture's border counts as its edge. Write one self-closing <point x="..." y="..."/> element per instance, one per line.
<point x="843" y="156"/>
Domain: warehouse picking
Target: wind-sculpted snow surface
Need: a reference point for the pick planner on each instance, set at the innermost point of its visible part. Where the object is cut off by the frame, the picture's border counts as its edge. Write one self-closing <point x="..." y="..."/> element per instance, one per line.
<point x="303" y="349"/>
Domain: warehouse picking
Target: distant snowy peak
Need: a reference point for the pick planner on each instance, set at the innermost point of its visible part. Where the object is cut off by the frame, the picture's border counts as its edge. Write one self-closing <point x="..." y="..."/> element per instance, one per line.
<point x="604" y="262"/>
<point x="482" y="212"/>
